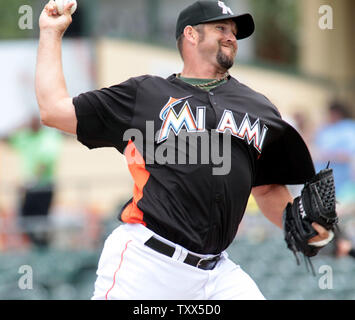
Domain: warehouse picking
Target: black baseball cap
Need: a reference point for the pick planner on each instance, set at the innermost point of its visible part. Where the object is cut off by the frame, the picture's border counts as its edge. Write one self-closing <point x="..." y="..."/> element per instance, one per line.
<point x="208" y="11"/>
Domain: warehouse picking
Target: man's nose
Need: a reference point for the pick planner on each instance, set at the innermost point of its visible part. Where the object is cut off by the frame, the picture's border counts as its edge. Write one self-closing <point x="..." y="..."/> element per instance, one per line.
<point x="231" y="39"/>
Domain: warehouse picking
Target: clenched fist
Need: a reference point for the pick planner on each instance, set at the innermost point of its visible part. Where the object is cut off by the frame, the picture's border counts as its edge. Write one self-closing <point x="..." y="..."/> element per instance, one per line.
<point x="51" y="20"/>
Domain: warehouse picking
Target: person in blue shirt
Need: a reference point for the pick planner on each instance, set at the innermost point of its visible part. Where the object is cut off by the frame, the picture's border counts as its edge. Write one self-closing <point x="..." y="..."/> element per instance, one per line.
<point x="335" y="143"/>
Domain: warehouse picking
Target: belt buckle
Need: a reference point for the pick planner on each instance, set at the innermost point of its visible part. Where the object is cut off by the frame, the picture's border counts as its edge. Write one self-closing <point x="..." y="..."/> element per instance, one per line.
<point x="200" y="261"/>
<point x="216" y="258"/>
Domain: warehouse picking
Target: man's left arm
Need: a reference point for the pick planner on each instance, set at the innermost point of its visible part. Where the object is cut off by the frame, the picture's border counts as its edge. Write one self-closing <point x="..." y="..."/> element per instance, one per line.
<point x="272" y="201"/>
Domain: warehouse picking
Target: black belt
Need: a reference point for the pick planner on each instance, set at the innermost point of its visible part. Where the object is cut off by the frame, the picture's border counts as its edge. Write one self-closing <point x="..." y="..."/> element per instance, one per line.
<point x="191" y="259"/>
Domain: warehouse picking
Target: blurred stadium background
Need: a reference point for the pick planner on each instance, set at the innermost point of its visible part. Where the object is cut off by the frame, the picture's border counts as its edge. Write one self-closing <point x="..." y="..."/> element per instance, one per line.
<point x="290" y="59"/>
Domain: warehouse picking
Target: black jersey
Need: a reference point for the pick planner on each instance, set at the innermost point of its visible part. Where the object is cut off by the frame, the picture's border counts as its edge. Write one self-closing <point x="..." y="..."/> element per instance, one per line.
<point x="190" y="202"/>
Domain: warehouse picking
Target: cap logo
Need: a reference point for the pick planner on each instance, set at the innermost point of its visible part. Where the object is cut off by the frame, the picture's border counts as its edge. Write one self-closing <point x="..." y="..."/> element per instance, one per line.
<point x="225" y="9"/>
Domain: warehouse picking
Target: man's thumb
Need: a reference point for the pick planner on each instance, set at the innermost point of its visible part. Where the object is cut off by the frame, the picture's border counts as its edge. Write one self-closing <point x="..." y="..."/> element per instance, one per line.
<point x="68" y="8"/>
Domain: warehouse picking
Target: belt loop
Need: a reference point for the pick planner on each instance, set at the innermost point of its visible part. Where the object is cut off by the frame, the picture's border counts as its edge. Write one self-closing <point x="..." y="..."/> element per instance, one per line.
<point x="183" y="254"/>
<point x="177" y="253"/>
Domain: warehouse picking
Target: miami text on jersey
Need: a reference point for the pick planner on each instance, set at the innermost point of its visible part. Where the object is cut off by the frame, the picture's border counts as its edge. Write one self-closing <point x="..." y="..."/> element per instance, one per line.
<point x="173" y="121"/>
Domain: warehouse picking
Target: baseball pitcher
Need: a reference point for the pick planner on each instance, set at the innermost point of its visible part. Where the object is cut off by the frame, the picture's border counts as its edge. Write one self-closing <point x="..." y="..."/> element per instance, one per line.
<point x="184" y="214"/>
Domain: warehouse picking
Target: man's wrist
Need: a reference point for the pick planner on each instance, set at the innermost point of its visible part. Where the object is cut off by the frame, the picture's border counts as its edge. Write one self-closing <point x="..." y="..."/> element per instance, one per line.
<point x="324" y="242"/>
<point x="51" y="33"/>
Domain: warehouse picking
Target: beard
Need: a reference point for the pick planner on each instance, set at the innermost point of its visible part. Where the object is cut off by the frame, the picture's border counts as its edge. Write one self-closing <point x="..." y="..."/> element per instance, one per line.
<point x="223" y="60"/>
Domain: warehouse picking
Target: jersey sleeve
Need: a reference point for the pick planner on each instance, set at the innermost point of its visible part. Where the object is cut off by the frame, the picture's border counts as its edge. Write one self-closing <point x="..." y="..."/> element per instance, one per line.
<point x="104" y="115"/>
<point x="286" y="160"/>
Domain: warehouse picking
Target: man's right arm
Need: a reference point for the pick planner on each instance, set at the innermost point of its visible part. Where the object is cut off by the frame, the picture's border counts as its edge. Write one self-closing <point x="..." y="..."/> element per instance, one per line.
<point x="55" y="104"/>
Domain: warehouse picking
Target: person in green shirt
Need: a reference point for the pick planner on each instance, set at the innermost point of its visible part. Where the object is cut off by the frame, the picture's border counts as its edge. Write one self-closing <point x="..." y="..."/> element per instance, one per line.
<point x="38" y="148"/>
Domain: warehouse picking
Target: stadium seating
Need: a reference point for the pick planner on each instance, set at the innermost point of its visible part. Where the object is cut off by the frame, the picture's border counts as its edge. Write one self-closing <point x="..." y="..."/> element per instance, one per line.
<point x="70" y="274"/>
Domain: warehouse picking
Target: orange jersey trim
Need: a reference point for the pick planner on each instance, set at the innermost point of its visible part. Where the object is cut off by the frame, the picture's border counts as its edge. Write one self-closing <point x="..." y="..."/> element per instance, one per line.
<point x="136" y="166"/>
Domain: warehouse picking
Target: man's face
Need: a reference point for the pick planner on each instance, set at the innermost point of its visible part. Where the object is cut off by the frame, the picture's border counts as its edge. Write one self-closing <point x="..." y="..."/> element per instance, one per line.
<point x="218" y="43"/>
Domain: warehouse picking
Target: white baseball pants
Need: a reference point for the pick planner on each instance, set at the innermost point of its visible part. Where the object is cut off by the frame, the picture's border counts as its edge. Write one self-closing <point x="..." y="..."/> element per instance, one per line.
<point x="130" y="270"/>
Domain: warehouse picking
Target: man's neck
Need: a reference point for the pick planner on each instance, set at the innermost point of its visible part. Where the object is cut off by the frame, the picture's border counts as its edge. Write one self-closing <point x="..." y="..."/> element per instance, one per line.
<point x="203" y="73"/>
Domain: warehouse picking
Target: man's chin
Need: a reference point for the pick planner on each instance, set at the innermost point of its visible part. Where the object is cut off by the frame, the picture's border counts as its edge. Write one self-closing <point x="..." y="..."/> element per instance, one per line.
<point x="225" y="62"/>
<point x="226" y="59"/>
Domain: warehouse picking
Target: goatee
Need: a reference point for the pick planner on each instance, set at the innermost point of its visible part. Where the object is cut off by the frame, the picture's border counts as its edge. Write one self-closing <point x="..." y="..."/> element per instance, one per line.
<point x="223" y="60"/>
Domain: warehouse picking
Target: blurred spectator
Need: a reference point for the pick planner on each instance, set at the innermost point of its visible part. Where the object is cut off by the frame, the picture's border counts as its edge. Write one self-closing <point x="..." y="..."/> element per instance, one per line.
<point x="301" y="123"/>
<point x="341" y="246"/>
<point x="344" y="247"/>
<point x="335" y="142"/>
<point x="38" y="149"/>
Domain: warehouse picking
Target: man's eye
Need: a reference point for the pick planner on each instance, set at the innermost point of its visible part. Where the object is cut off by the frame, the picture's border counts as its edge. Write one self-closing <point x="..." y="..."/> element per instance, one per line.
<point x="220" y="28"/>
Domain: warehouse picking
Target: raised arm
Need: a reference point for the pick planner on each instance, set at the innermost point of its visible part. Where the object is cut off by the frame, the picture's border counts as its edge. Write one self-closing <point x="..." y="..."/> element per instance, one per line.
<point x="55" y="104"/>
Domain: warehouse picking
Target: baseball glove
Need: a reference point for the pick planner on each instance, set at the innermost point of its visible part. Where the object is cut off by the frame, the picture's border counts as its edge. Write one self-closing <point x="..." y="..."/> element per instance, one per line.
<point x="315" y="204"/>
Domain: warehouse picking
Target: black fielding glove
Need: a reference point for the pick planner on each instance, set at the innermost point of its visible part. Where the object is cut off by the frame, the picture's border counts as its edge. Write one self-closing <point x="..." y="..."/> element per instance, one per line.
<point x="315" y="204"/>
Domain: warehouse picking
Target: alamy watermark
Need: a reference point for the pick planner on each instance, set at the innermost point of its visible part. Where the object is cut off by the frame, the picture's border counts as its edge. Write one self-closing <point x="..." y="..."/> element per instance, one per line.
<point x="25" y="281"/>
<point x="25" y="21"/>
<point x="185" y="148"/>
<point x="325" y="22"/>
<point x="325" y="282"/>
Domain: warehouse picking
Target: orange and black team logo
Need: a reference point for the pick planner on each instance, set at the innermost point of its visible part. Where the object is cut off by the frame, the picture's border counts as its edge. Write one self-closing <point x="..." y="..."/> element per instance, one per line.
<point x="173" y="121"/>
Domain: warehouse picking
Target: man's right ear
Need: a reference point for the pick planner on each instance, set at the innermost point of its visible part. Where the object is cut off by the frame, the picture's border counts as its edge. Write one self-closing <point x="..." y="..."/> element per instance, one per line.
<point x="190" y="34"/>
